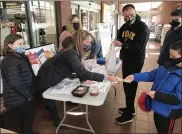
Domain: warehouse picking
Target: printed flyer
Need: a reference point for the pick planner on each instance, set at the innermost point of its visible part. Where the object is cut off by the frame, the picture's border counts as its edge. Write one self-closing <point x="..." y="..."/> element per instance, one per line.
<point x="37" y="56"/>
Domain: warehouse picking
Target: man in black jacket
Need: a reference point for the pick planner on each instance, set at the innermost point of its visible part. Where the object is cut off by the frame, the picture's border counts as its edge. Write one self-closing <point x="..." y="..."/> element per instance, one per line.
<point x="132" y="37"/>
<point x="172" y="36"/>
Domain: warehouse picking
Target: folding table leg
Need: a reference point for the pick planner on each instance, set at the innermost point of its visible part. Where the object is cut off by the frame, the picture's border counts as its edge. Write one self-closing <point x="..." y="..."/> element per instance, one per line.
<point x="64" y="103"/>
<point x="62" y="124"/>
<point x="114" y="89"/>
<point x="88" y="120"/>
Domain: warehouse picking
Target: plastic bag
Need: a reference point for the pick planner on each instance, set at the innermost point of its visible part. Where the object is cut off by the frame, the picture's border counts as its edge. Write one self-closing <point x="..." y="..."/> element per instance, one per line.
<point x="111" y="60"/>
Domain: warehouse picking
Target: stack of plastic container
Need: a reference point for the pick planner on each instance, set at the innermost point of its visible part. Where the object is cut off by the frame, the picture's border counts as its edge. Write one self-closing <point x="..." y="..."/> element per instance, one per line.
<point x="157" y="32"/>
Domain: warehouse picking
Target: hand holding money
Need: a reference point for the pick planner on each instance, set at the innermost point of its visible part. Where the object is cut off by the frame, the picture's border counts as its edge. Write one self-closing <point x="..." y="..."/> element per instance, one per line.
<point x="128" y="79"/>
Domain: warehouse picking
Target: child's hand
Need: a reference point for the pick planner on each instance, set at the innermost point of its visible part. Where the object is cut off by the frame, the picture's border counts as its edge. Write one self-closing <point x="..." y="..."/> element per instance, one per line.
<point x="151" y="94"/>
<point x="113" y="79"/>
<point x="129" y="78"/>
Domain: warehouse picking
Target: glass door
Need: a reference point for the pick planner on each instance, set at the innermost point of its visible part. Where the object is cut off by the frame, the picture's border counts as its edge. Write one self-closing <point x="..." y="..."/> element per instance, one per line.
<point x="90" y="18"/>
<point x="84" y="19"/>
<point x="13" y="20"/>
<point x="75" y="9"/>
<point x="94" y="20"/>
<point x="43" y="22"/>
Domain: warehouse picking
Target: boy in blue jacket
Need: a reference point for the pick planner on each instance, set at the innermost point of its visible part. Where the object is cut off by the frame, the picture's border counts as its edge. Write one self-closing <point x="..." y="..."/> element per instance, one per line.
<point x="166" y="92"/>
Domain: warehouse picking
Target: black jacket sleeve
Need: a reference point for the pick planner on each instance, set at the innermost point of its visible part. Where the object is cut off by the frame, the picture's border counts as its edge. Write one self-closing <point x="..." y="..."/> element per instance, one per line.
<point x="166" y="98"/>
<point x="164" y="53"/>
<point x="142" y="40"/>
<point x="119" y="35"/>
<point x="75" y="64"/>
<point x="13" y="79"/>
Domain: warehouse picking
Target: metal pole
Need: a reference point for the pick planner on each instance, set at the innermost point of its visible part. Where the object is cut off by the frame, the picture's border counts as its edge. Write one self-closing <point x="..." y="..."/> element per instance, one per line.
<point x="29" y="19"/>
<point x="58" y="21"/>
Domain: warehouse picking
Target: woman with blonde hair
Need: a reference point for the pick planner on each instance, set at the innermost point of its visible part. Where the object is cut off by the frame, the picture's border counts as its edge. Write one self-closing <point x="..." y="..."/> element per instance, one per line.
<point x="68" y="61"/>
<point x="72" y="26"/>
<point x="94" y="50"/>
<point x="82" y="38"/>
<point x="67" y="64"/>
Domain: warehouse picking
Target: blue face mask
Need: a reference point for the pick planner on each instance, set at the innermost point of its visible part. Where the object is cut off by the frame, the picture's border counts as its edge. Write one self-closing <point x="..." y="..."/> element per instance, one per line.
<point x="20" y="49"/>
<point x="86" y="47"/>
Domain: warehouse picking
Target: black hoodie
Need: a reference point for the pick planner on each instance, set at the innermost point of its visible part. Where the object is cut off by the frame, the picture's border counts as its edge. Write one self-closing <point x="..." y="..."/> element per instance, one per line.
<point x="171" y="37"/>
<point x="134" y="39"/>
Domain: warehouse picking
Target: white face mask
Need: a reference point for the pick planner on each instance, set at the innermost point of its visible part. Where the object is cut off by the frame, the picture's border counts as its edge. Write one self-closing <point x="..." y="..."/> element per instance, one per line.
<point x="131" y="20"/>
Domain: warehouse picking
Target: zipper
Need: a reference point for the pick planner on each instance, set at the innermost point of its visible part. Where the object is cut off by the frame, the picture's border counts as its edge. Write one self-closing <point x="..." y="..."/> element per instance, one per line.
<point x="169" y="70"/>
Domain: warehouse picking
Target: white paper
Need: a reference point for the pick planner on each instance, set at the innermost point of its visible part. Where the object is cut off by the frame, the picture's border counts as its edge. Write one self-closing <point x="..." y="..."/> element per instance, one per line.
<point x="92" y="66"/>
<point x="66" y="86"/>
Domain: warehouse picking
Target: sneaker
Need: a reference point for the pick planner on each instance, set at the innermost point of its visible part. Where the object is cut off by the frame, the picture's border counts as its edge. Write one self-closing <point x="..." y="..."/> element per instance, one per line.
<point x="123" y="120"/>
<point x="122" y="110"/>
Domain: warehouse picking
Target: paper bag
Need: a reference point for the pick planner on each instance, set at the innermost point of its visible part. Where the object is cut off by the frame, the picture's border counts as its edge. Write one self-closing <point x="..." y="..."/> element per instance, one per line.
<point x="111" y="60"/>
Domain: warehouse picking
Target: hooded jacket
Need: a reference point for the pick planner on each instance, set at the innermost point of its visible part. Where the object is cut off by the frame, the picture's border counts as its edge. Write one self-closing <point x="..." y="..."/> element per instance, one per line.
<point x="167" y="82"/>
<point x="19" y="81"/>
<point x="171" y="37"/>
<point x="134" y="39"/>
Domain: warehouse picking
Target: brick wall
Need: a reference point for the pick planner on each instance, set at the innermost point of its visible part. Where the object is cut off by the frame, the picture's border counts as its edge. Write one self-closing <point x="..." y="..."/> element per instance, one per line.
<point x="65" y="11"/>
<point x="168" y="7"/>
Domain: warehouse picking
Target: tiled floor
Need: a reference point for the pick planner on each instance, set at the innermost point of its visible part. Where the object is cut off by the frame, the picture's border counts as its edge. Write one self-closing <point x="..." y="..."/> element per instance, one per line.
<point x="102" y="118"/>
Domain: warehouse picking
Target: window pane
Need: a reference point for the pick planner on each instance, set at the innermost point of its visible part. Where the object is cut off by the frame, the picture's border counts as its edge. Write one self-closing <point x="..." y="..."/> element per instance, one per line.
<point x="13" y="20"/>
<point x="44" y="24"/>
<point x="42" y="4"/>
<point x="84" y="19"/>
<point x="93" y="20"/>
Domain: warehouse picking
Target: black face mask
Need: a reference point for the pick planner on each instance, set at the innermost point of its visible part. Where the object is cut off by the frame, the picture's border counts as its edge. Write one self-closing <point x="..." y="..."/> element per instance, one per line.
<point x="76" y="26"/>
<point x="176" y="61"/>
<point x="174" y="23"/>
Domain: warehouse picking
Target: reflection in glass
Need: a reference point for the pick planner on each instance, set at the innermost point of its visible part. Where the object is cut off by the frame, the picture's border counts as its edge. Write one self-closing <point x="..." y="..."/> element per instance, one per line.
<point x="84" y="19"/>
<point x="13" y="20"/>
<point x="44" y="27"/>
<point x="93" y="20"/>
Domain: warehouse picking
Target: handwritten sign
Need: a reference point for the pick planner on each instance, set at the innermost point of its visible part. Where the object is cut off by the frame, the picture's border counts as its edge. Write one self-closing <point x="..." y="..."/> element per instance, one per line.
<point x="105" y="36"/>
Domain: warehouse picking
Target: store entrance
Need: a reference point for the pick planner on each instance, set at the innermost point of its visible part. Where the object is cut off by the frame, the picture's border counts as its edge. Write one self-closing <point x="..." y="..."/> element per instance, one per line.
<point x="152" y="20"/>
<point x="150" y="13"/>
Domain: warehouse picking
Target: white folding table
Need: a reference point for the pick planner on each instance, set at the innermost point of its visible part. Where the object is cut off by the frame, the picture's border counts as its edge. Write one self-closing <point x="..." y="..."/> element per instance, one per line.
<point x="85" y="100"/>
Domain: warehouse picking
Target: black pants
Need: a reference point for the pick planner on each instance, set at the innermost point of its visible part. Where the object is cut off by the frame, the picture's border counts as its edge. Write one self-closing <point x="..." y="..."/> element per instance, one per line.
<point x="1" y="121"/>
<point x="26" y="114"/>
<point x="164" y="125"/>
<point x="129" y="68"/>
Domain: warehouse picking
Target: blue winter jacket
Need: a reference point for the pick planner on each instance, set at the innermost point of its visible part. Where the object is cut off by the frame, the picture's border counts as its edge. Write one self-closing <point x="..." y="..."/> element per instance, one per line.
<point x="164" y="81"/>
